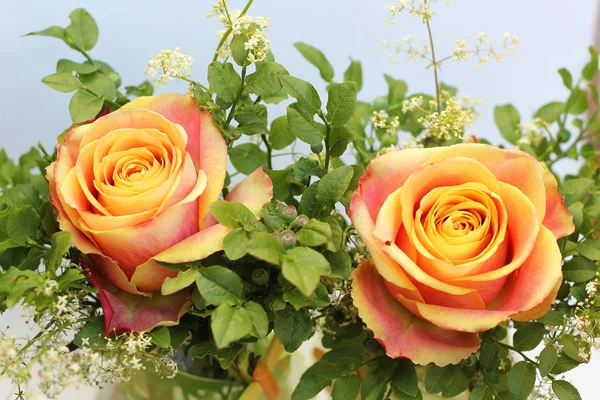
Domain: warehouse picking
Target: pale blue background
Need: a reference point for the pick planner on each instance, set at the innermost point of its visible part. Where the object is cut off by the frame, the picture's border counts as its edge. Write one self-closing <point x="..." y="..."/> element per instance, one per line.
<point x="552" y="34"/>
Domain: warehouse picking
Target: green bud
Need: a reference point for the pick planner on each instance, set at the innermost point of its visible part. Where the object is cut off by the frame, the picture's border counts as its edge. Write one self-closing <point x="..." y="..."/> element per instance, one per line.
<point x="115" y="77"/>
<point x="280" y="206"/>
<point x="289" y="239"/>
<point x="300" y="221"/>
<point x="289" y="213"/>
<point x="260" y="276"/>
<point x="388" y="140"/>
<point x="380" y="103"/>
<point x="316" y="148"/>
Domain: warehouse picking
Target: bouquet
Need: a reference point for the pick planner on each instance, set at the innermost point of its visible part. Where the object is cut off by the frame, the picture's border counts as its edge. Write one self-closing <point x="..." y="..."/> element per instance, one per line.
<point x="158" y="247"/>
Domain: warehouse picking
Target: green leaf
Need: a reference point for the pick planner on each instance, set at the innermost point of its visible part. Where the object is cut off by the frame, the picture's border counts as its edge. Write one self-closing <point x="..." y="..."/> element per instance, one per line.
<point x="178" y="335"/>
<point x="235" y="243"/>
<point x="577" y="210"/>
<point x="566" y="77"/>
<point x="84" y="106"/>
<point x="303" y="126"/>
<point x="143" y="89"/>
<point x="358" y="172"/>
<point x="547" y="359"/>
<point x="375" y="384"/>
<point x="528" y="336"/>
<point x="563" y="389"/>
<point x="346" y="387"/>
<point x="550" y="112"/>
<point x="265" y="81"/>
<point x="439" y="379"/>
<point x="100" y="84"/>
<point x="231" y="214"/>
<point x="60" y="243"/>
<point x="307" y="96"/>
<point x="219" y="285"/>
<point x="564" y="364"/>
<point x="589" y="70"/>
<point x="340" y="262"/>
<point x="405" y="378"/>
<point x="93" y="331"/>
<point x="507" y="120"/>
<point x="339" y="138"/>
<point x="226" y="356"/>
<point x="521" y="380"/>
<point x="577" y="102"/>
<point x="183" y="280"/>
<point x="252" y="118"/>
<point x="260" y="320"/>
<point x="333" y="186"/>
<point x="83" y="31"/>
<point x="316" y="58"/>
<point x="223" y="79"/>
<point x="341" y="102"/>
<point x="69" y="66"/>
<point x="354" y="74"/>
<point x="54" y="31"/>
<point x="292" y="328"/>
<point x="590" y="249"/>
<point x="308" y="202"/>
<point x="315" y="233"/>
<point x="481" y="393"/>
<point x="265" y="247"/>
<point x="579" y="269"/>
<point x="161" y="337"/>
<point x="22" y="224"/>
<point x="230" y="323"/>
<point x="281" y="134"/>
<point x="303" y="268"/>
<point x="338" y="362"/>
<point x="247" y="158"/>
<point x="63" y="82"/>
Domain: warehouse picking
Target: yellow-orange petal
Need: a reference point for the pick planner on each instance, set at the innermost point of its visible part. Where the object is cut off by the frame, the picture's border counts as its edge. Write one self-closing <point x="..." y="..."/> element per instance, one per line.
<point x="150" y="276"/>
<point x="513" y="166"/>
<point x="386" y="266"/>
<point x="111" y="271"/>
<point x="558" y="218"/>
<point x="534" y="283"/>
<point x="402" y="333"/>
<point x="195" y="247"/>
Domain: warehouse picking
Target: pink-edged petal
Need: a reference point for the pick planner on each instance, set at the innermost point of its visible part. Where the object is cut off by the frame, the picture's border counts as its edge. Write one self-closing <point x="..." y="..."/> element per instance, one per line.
<point x="159" y="233"/>
<point x="126" y="312"/>
<point x="558" y="219"/>
<point x="387" y="173"/>
<point x="196" y="247"/>
<point x="213" y="161"/>
<point x="402" y="333"/>
<point x="253" y="192"/>
<point x="110" y="270"/>
<point x="80" y="240"/>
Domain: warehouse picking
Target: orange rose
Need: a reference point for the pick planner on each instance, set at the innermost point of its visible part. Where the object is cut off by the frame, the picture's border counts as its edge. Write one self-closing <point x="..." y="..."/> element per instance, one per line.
<point x="461" y="238"/>
<point x="134" y="188"/>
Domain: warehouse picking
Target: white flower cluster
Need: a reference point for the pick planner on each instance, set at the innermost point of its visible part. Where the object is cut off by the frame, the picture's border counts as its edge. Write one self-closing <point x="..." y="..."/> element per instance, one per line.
<point x="418" y="9"/>
<point x="412" y="104"/>
<point x="168" y="65"/>
<point x="483" y="50"/>
<point x="256" y="42"/>
<point x="393" y="48"/>
<point x="449" y="123"/>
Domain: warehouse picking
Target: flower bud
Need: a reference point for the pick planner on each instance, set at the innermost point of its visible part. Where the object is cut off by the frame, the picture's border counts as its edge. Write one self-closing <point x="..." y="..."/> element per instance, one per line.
<point x="289" y="239"/>
<point x="260" y="276"/>
<point x="316" y="148"/>
<point x="300" y="221"/>
<point x="289" y="213"/>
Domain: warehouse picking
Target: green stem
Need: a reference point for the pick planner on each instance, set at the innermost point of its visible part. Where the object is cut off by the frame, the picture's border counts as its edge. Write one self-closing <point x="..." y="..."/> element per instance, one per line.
<point x="237" y="99"/>
<point x="435" y="69"/>
<point x="327" y="131"/>
<point x="86" y="55"/>
<point x="228" y="32"/>
<point x="269" y="150"/>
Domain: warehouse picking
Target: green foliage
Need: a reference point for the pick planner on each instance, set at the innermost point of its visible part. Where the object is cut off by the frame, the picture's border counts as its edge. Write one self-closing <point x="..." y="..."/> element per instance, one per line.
<point x="507" y="119"/>
<point x="316" y="58"/>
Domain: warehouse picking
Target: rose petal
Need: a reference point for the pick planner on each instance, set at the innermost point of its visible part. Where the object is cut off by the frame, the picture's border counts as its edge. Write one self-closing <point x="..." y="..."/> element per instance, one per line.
<point x="511" y="166"/>
<point x="124" y="312"/>
<point x="195" y="247"/>
<point x="558" y="218"/>
<point x="402" y="333"/>
<point x="253" y="192"/>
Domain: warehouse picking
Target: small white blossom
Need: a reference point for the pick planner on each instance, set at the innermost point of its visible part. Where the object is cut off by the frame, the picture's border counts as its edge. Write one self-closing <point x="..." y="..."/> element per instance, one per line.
<point x="591" y="288"/>
<point x="583" y="355"/>
<point x="169" y="65"/>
